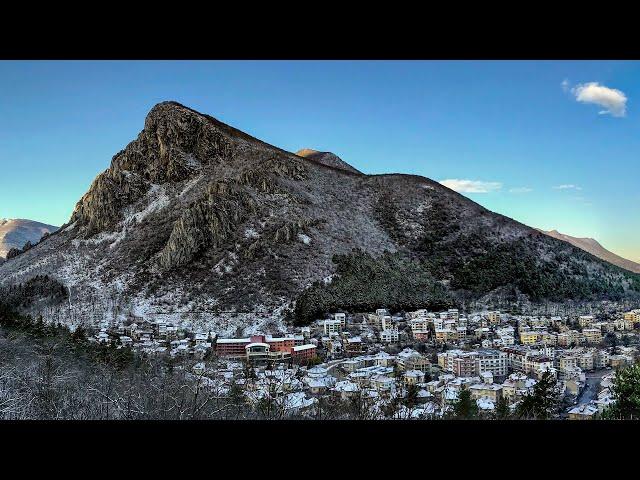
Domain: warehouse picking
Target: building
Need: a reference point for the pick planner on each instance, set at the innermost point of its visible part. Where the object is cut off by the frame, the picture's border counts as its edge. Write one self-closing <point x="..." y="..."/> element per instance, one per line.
<point x="464" y="365"/>
<point x="342" y="318"/>
<point x="281" y="344"/>
<point x="491" y="361"/>
<point x="258" y="352"/>
<point x="592" y="335"/>
<point x="387" y="323"/>
<point x="617" y="361"/>
<point x="332" y="326"/>
<point x="409" y="359"/>
<point x="538" y="364"/>
<point x="489" y="391"/>
<point x="586" y="411"/>
<point x="420" y="328"/>
<point x="506" y="335"/>
<point x="278" y="347"/>
<point x="446" y="359"/>
<point x="453" y="314"/>
<point x="529" y="337"/>
<point x="633" y="316"/>
<point x="232" y="347"/>
<point x="548" y="338"/>
<point x="585" y="320"/>
<point x="413" y="377"/>
<point x="304" y="353"/>
<point x="602" y="359"/>
<point x="390" y="336"/>
<point x="353" y="345"/>
<point x="444" y="335"/>
<point x="494" y="317"/>
<point x="470" y="364"/>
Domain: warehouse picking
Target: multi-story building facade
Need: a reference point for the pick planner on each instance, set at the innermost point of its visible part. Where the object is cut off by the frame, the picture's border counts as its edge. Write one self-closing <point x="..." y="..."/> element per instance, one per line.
<point x="494" y="317"/>
<point x="420" y="328"/>
<point x="332" y="326"/>
<point x="529" y="337"/>
<point x="390" y="335"/>
<point x="585" y="320"/>
<point x="491" y="361"/>
<point x="592" y="335"/>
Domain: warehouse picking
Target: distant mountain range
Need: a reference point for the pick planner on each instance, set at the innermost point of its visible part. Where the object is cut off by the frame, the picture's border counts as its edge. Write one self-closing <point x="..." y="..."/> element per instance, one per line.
<point x="196" y="221"/>
<point x="594" y="248"/>
<point x="14" y="233"/>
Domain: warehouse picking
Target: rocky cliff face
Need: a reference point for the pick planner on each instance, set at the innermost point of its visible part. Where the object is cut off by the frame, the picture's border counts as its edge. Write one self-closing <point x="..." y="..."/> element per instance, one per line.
<point x="195" y="221"/>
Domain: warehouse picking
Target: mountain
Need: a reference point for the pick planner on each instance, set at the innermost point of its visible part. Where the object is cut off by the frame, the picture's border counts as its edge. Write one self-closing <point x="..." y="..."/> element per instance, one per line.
<point x="14" y="233"/>
<point x="196" y="221"/>
<point x="327" y="158"/>
<point x="594" y="248"/>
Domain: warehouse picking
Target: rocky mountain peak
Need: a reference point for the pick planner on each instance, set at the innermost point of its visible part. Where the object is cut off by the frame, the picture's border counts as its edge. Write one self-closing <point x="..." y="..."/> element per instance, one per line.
<point x="327" y="158"/>
<point x="197" y="221"/>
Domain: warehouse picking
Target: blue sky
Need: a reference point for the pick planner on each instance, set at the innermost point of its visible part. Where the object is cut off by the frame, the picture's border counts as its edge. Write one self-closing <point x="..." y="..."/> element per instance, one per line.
<point x="510" y="130"/>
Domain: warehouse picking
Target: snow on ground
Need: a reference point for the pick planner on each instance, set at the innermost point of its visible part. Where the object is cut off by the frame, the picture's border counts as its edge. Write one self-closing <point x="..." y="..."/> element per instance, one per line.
<point x="205" y="316"/>
<point x="189" y="185"/>
<point x="160" y="201"/>
<point x="250" y="233"/>
<point x="304" y="238"/>
<point x="422" y="206"/>
<point x="193" y="162"/>
<point x="113" y="237"/>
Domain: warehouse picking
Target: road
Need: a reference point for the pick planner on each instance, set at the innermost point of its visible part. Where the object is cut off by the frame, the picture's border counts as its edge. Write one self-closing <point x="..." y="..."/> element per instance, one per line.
<point x="590" y="390"/>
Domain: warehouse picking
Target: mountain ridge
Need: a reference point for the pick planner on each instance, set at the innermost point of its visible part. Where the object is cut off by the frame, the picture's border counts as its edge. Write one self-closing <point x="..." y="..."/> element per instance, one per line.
<point x="195" y="221"/>
<point x="594" y="247"/>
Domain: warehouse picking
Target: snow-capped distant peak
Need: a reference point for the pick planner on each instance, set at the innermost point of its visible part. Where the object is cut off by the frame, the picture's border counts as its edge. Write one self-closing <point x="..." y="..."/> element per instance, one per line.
<point x="15" y="232"/>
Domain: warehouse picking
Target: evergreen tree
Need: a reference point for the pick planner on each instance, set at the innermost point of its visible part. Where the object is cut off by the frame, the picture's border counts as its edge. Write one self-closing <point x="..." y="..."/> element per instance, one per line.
<point x="411" y="396"/>
<point x="465" y="407"/>
<point x="626" y="393"/>
<point x="542" y="402"/>
<point x="79" y="334"/>
<point x="502" y="411"/>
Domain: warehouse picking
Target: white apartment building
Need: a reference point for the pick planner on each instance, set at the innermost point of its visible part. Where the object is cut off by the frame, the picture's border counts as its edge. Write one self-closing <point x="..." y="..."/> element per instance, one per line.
<point x="342" y="317"/>
<point x="332" y="326"/>
<point x="390" y="335"/>
<point x="419" y="326"/>
<point x="491" y="361"/>
<point x="387" y="323"/>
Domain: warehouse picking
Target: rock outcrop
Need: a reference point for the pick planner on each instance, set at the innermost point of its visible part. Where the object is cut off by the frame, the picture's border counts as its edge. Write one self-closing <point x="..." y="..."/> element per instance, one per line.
<point x="327" y="158"/>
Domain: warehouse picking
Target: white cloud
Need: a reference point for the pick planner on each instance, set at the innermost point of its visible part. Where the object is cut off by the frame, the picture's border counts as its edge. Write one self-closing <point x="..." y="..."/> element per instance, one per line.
<point x="614" y="101"/>
<point x="565" y="85"/>
<point x="567" y="186"/>
<point x="471" y="186"/>
<point x="520" y="190"/>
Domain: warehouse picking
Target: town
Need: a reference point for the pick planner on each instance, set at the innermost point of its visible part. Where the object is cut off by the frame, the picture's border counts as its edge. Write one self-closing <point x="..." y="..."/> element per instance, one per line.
<point x="427" y="359"/>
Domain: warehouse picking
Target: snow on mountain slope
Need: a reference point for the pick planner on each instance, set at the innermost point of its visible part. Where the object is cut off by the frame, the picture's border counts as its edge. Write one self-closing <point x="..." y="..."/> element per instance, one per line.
<point x="14" y="233"/>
